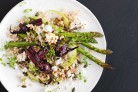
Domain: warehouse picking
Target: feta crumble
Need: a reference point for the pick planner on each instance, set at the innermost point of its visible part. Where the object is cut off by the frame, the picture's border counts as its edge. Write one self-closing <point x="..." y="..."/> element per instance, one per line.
<point x="21" y="57"/>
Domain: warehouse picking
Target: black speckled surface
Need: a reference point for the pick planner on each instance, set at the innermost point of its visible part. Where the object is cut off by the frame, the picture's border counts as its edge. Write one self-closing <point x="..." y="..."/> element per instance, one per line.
<point x="119" y="19"/>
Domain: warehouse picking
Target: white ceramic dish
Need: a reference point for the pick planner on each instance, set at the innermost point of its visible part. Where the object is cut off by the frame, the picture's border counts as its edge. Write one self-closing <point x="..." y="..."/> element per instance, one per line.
<point x="9" y="77"/>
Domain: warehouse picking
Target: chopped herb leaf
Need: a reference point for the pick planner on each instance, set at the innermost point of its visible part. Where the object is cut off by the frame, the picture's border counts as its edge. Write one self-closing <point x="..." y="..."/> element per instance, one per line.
<point x="22" y="3"/>
<point x="27" y="10"/>
<point x="23" y="80"/>
<point x="57" y="28"/>
<point x="12" y="61"/>
<point x="85" y="81"/>
<point x="32" y="67"/>
<point x="84" y="61"/>
<point x="80" y="77"/>
<point x="51" y="52"/>
<point x="44" y="21"/>
<point x="2" y="62"/>
<point x="0" y="59"/>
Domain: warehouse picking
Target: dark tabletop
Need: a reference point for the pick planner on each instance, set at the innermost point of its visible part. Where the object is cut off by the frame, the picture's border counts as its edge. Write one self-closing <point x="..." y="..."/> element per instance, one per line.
<point x="119" y="19"/>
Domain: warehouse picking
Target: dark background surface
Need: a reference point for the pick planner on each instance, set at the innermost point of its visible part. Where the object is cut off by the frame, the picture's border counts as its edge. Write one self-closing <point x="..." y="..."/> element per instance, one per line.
<point x="119" y="19"/>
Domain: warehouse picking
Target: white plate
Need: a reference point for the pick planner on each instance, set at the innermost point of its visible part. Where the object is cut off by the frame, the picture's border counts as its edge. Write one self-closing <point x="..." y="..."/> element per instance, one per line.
<point x="9" y="77"/>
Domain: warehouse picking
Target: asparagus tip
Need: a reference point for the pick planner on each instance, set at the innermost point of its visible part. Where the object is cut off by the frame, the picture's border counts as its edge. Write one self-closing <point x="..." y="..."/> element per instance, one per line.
<point x="107" y="66"/>
<point x="109" y="51"/>
<point x="97" y="34"/>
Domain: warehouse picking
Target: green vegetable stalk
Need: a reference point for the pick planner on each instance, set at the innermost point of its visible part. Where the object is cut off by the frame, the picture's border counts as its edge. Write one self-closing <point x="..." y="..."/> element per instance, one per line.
<point x="81" y="39"/>
<point x="77" y="39"/>
<point x="96" y="49"/>
<point x="12" y="62"/>
<point x="99" y="62"/>
<point x="19" y="44"/>
<point x="22" y="35"/>
<point x="81" y="34"/>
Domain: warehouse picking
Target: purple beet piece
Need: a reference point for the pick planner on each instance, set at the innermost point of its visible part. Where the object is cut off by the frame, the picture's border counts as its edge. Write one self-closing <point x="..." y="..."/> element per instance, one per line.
<point x="46" y="67"/>
<point x="32" y="55"/>
<point x="44" y="51"/>
<point x="37" y="22"/>
<point x="62" y="50"/>
<point x="23" y="29"/>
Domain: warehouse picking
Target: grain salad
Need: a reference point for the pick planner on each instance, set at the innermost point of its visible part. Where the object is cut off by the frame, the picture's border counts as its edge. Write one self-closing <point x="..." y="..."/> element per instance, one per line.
<point x="47" y="49"/>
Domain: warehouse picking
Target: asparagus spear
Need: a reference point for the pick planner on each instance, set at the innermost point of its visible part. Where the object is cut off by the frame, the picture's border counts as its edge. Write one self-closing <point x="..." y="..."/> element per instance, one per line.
<point x="19" y="44"/>
<point x="75" y="39"/>
<point x="96" y="49"/>
<point x="99" y="62"/>
<point x="80" y="40"/>
<point x="81" y="34"/>
<point x="84" y="35"/>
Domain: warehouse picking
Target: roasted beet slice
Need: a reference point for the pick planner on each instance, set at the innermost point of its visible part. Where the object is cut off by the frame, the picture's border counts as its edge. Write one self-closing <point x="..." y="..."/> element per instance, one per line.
<point x="32" y="55"/>
<point x="38" y="59"/>
<point x="46" y="67"/>
<point x="37" y="22"/>
<point x="23" y="29"/>
<point x="31" y="49"/>
<point x="62" y="50"/>
<point x="43" y="51"/>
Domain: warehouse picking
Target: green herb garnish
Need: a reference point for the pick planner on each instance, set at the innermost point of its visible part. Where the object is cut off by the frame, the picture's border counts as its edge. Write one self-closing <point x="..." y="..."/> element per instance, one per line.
<point x="32" y="67"/>
<point x="27" y="10"/>
<point x="12" y="61"/>
<point x="85" y="81"/>
<point x="51" y="52"/>
<point x="44" y="21"/>
<point x="2" y="62"/>
<point x="80" y="77"/>
<point x="84" y="61"/>
<point x="0" y="59"/>
<point x="22" y="3"/>
<point x="57" y="28"/>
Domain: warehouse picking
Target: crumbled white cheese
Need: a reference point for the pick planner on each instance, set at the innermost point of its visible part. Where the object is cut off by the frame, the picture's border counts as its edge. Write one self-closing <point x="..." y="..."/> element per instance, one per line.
<point x="51" y="38"/>
<point x="54" y="68"/>
<point x="39" y="31"/>
<point x="72" y="75"/>
<point x="48" y="28"/>
<point x="30" y="26"/>
<point x="21" y="57"/>
<point x="59" y="61"/>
